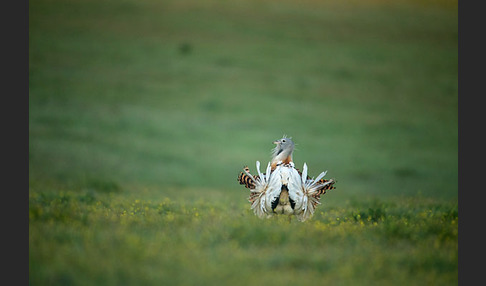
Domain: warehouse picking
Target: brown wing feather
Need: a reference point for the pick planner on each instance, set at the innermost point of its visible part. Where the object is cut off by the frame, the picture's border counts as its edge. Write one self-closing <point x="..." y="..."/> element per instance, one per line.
<point x="323" y="189"/>
<point x="246" y="180"/>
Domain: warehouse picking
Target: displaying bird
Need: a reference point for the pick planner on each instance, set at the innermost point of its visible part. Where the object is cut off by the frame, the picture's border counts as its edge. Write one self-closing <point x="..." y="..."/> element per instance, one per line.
<point x="283" y="189"/>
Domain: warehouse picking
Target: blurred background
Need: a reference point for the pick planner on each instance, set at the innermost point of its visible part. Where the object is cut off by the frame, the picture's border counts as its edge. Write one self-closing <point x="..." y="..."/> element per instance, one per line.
<point x="153" y="95"/>
<point x="142" y="113"/>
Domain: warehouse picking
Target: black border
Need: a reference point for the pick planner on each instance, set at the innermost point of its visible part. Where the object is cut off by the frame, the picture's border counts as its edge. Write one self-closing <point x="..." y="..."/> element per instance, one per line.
<point x="471" y="126"/>
<point x="15" y="141"/>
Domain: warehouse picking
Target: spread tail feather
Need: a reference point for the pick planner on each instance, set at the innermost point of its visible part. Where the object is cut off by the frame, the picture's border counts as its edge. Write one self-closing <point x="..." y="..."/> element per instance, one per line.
<point x="261" y="188"/>
<point x="313" y="189"/>
<point x="258" y="185"/>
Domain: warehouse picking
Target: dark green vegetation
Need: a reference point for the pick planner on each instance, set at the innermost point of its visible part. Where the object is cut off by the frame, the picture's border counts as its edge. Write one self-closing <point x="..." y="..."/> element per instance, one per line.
<point x="142" y="113"/>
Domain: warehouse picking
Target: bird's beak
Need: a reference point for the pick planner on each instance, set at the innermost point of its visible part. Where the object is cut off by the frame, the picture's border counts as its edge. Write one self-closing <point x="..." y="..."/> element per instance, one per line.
<point x="276" y="142"/>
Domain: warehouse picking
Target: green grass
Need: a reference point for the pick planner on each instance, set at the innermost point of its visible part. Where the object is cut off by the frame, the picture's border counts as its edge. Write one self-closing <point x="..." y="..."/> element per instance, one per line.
<point x="111" y="240"/>
<point x="142" y="114"/>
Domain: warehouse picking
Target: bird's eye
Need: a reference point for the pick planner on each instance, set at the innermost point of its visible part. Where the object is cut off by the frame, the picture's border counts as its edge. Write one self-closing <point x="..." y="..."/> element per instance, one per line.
<point x="283" y="140"/>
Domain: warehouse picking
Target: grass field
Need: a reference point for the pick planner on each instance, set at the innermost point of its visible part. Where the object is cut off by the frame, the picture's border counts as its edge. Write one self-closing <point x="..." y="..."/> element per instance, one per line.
<point x="142" y="114"/>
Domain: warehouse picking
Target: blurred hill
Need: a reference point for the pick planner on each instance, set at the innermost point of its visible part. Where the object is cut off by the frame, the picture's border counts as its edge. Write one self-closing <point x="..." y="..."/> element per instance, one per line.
<point x="129" y="95"/>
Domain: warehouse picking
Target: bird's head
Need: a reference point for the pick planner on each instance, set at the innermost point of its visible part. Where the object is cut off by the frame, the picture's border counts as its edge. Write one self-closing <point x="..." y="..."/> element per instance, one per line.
<point x="284" y="146"/>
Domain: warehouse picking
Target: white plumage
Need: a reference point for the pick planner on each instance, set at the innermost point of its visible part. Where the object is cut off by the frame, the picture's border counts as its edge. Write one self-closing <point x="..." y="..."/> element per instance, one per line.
<point x="283" y="189"/>
<point x="269" y="186"/>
